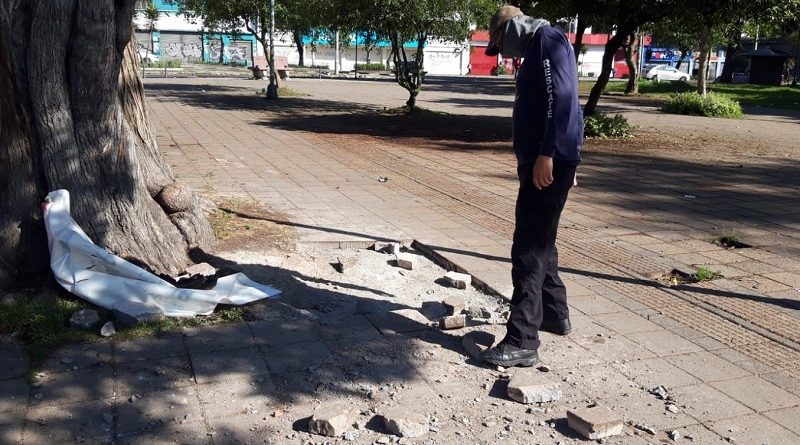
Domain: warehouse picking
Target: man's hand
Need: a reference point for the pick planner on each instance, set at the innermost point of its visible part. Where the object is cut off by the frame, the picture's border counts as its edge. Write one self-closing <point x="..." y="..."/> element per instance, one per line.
<point x="543" y="172"/>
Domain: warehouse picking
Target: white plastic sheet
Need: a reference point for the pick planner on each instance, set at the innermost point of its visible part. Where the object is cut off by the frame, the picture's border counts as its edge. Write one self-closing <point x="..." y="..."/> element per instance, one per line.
<point x="106" y="280"/>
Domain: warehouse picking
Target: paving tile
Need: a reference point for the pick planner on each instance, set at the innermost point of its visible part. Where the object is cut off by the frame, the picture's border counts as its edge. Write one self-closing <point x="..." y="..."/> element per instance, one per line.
<point x="184" y="433"/>
<point x="156" y="409"/>
<point x="595" y="304"/>
<point x="626" y="322"/>
<point x="72" y="422"/>
<point x="142" y="376"/>
<point x="641" y="407"/>
<point x="705" y="403"/>
<point x="786" y="417"/>
<point x="272" y="333"/>
<point x="654" y="372"/>
<point x="79" y="356"/>
<point x="757" y="393"/>
<point x="219" y="337"/>
<point x="755" y="429"/>
<point x="254" y="396"/>
<point x="13" y="359"/>
<point x="599" y="381"/>
<point x="613" y="348"/>
<point x="13" y="395"/>
<point x="57" y="388"/>
<point x="11" y="427"/>
<point x="221" y="366"/>
<point x="288" y="358"/>
<point x="707" y="366"/>
<point x="247" y="429"/>
<point x="664" y="343"/>
<point x="159" y="345"/>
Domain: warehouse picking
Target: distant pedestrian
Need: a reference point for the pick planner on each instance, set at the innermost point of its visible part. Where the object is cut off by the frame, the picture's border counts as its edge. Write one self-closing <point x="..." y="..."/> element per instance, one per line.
<point x="547" y="138"/>
<point x="258" y="73"/>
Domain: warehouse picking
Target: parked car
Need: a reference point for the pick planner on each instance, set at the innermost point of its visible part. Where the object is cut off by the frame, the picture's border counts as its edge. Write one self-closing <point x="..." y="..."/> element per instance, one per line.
<point x="658" y="73"/>
<point x="147" y="56"/>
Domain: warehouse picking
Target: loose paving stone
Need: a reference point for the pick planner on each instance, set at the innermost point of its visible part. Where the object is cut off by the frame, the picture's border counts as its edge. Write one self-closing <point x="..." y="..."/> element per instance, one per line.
<point x="596" y="422"/>
<point x="454" y="305"/>
<point x="458" y="281"/>
<point x="331" y="419"/>
<point x="404" y="422"/>
<point x="476" y="342"/>
<point x="108" y="329"/>
<point x="405" y="260"/>
<point x="454" y="322"/>
<point x="531" y="387"/>
<point x="84" y="319"/>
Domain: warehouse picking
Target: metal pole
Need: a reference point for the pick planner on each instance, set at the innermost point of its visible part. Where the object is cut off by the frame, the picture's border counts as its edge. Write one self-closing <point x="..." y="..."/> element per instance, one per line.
<point x="336" y="55"/>
<point x="272" y="89"/>
<point x="355" y="66"/>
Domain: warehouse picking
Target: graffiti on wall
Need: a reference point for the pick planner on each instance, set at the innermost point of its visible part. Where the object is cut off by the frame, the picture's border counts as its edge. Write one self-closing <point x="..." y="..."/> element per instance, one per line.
<point x="183" y="50"/>
<point x="234" y="52"/>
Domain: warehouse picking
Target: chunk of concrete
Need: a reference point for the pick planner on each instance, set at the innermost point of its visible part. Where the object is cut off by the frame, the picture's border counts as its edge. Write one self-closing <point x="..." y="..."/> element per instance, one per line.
<point x="84" y="319"/>
<point x="405" y="423"/>
<point x="203" y="269"/>
<point x="130" y="314"/>
<point x="458" y="280"/>
<point x="455" y="305"/>
<point x="595" y="423"/>
<point x="405" y="260"/>
<point x="530" y="387"/>
<point x="454" y="322"/>
<point x="332" y="419"/>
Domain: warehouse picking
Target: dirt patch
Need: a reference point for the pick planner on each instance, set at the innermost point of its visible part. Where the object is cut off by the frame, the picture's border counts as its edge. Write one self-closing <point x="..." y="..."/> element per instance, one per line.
<point x="248" y="225"/>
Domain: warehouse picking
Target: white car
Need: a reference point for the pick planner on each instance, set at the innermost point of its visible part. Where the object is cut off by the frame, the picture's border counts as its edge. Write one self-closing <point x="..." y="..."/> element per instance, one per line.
<point x="658" y="73"/>
<point x="147" y="56"/>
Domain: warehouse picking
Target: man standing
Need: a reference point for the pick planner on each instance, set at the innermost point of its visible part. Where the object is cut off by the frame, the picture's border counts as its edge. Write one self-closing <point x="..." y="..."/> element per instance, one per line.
<point x="548" y="134"/>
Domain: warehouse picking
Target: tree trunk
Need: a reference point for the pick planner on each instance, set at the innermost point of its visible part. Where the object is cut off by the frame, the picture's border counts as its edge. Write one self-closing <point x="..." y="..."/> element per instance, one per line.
<point x="611" y="48"/>
<point x="221" y="50"/>
<point x="76" y="119"/>
<point x="579" y="31"/>
<point x="298" y="41"/>
<point x="734" y="43"/>
<point x="631" y="51"/>
<point x="702" y="75"/>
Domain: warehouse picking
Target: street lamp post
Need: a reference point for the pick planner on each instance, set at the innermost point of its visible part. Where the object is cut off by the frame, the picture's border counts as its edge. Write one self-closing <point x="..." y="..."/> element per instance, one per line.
<point x="272" y="89"/>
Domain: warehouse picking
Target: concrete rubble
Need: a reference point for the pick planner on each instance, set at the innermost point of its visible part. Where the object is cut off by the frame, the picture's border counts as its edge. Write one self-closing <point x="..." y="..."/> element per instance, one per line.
<point x="454" y="322"/>
<point x="387" y="247"/>
<point x="332" y="419"/>
<point x="458" y="280"/>
<point x="405" y="260"/>
<point x="595" y="423"/>
<point x="404" y="422"/>
<point x="454" y="305"/>
<point x="528" y="386"/>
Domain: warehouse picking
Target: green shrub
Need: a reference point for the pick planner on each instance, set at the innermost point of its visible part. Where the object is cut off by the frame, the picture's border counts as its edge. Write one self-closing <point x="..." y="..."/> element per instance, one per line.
<point x="294" y="65"/>
<point x="171" y="63"/>
<point x="370" y="67"/>
<point x="499" y="70"/>
<point x="711" y="105"/>
<point x="705" y="273"/>
<point x="601" y="125"/>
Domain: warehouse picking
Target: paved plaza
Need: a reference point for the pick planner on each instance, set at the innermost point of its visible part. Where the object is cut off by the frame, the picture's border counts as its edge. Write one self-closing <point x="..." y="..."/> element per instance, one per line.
<point x="727" y="350"/>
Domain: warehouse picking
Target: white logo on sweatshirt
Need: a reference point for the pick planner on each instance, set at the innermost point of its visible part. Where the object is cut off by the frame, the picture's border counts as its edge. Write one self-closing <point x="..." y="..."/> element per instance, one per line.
<point x="548" y="81"/>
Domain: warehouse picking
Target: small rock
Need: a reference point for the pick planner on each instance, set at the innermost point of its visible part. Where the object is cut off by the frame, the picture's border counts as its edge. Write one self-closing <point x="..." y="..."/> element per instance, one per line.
<point x="454" y="305"/>
<point x="84" y="319"/>
<point x="458" y="280"/>
<point x="526" y="387"/>
<point x="646" y="428"/>
<point x="595" y="422"/>
<point x="534" y="410"/>
<point x="331" y="420"/>
<point x="454" y="322"/>
<point x="660" y="392"/>
<point x="202" y="269"/>
<point x="544" y="368"/>
<point x="405" y="423"/>
<point x="405" y="260"/>
<point x="108" y="418"/>
<point x="108" y="329"/>
<point x="674" y="435"/>
<point x="671" y="407"/>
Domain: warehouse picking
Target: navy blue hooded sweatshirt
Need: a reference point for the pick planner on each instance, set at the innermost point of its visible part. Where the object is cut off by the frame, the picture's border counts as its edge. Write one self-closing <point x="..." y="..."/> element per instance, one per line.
<point x="548" y="119"/>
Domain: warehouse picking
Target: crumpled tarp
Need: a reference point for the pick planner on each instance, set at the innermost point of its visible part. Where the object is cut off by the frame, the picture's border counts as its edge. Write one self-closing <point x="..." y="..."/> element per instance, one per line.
<point x="108" y="281"/>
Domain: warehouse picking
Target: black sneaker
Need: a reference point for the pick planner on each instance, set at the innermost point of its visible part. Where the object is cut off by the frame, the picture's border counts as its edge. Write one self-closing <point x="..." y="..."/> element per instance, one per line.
<point x="507" y="355"/>
<point x="558" y="327"/>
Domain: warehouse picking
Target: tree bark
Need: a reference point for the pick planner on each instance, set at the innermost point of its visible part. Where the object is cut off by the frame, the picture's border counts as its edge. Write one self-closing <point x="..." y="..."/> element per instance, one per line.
<point x="702" y="72"/>
<point x="76" y="119"/>
<point x="298" y="41"/>
<point x="631" y="51"/>
<point x="611" y="47"/>
<point x="579" y="32"/>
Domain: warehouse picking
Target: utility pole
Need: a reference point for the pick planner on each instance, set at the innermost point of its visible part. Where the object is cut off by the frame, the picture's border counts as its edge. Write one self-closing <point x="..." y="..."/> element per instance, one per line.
<point x="355" y="66"/>
<point x="272" y="89"/>
<point x="336" y="61"/>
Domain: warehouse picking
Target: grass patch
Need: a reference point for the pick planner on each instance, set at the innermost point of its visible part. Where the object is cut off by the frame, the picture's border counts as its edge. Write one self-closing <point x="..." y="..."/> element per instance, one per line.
<point x="370" y="67"/>
<point x="705" y="273"/>
<point x="782" y="97"/>
<point x="604" y="126"/>
<point x="283" y="92"/>
<point x="710" y="105"/>
<point x="171" y="63"/>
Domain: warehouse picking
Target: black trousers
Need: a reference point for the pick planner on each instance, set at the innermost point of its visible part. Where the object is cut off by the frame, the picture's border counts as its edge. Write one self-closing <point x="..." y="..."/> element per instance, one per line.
<point x="538" y="291"/>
